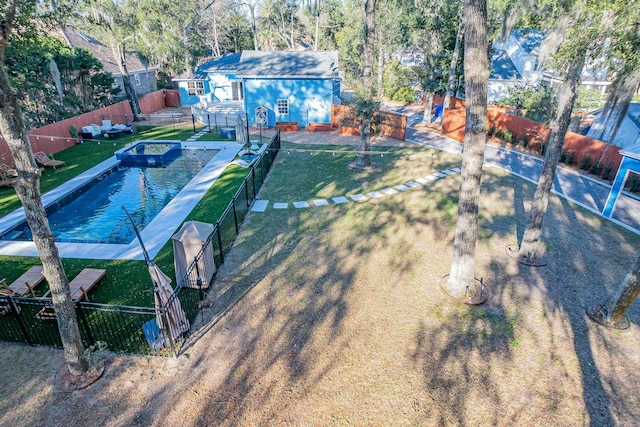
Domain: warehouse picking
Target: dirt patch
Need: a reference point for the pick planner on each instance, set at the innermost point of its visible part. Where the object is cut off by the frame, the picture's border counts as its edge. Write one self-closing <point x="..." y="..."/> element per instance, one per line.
<point x="333" y="316"/>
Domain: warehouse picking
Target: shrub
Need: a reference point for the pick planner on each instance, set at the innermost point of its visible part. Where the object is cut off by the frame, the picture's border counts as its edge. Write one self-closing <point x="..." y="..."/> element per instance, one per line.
<point x="404" y="94"/>
<point x="567" y="157"/>
<point x="522" y="142"/>
<point x="507" y="136"/>
<point x="491" y="131"/>
<point x="634" y="184"/>
<point x="595" y="168"/>
<point x="607" y="172"/>
<point x="498" y="133"/>
<point x="585" y="163"/>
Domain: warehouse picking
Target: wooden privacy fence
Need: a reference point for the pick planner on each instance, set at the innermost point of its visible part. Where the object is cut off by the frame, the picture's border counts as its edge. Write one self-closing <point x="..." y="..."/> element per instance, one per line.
<point x="533" y="135"/>
<point x="56" y="137"/>
<point x="384" y="123"/>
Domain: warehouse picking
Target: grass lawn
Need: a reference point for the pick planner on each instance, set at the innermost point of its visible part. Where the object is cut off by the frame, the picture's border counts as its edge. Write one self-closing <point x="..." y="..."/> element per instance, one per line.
<point x="128" y="282"/>
<point x="342" y="322"/>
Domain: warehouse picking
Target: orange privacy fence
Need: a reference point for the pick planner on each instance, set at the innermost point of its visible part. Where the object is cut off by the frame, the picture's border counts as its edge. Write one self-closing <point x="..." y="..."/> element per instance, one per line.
<point x="533" y="134"/>
<point x="56" y="137"/>
<point x="385" y="123"/>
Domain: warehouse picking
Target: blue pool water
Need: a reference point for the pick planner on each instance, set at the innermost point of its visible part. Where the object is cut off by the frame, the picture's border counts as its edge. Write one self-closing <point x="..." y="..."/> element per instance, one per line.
<point x="93" y="214"/>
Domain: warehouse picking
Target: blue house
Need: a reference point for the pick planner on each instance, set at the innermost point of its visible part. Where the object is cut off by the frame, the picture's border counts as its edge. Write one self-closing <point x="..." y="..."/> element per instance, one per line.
<point x="213" y="81"/>
<point x="291" y="86"/>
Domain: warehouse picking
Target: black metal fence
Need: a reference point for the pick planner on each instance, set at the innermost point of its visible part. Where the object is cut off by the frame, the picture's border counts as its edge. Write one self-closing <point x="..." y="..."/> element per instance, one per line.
<point x="132" y="329"/>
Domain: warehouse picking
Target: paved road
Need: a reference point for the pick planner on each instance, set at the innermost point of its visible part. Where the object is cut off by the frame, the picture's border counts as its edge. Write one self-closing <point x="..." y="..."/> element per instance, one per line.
<point x="587" y="192"/>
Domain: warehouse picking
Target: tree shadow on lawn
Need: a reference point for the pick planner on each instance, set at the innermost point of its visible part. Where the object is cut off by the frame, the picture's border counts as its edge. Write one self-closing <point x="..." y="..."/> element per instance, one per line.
<point x="584" y="251"/>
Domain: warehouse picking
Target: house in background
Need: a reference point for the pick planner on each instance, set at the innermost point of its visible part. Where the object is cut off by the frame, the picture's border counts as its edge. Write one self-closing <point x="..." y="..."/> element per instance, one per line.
<point x="213" y="81"/>
<point x="281" y="86"/>
<point x="142" y="75"/>
<point x="515" y="62"/>
<point x="292" y="86"/>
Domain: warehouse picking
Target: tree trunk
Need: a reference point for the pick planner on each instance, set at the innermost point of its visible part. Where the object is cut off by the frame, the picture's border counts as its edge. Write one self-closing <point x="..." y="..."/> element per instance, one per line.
<point x="616" y="107"/>
<point x="453" y="67"/>
<point x="380" y="63"/>
<point x="428" y="106"/>
<point x="364" y="158"/>
<point x="461" y="283"/>
<point x="317" y="16"/>
<point x="27" y="186"/>
<point x="612" y="311"/>
<point x="531" y="250"/>
<point x="120" y="57"/>
<point x="369" y="40"/>
<point x="254" y="27"/>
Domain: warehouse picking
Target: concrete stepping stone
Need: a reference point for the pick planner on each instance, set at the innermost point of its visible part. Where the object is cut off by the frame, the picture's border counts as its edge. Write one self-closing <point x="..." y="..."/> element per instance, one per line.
<point x="431" y="178"/>
<point x="390" y="190"/>
<point x="320" y="202"/>
<point x="448" y="172"/>
<point x="358" y="197"/>
<point x="374" y="195"/>
<point x="422" y="181"/>
<point x="259" y="206"/>
<point x="440" y="174"/>
<point x="412" y="184"/>
<point x="458" y="170"/>
<point x="301" y="205"/>
<point x="280" y="205"/>
<point x="340" y="199"/>
<point x="401" y="187"/>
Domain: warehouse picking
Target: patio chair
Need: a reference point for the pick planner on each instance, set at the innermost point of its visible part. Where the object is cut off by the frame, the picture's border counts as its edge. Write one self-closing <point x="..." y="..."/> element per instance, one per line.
<point x="45" y="160"/>
<point x="7" y="175"/>
<point x="79" y="288"/>
<point x="154" y="335"/>
<point x="23" y="284"/>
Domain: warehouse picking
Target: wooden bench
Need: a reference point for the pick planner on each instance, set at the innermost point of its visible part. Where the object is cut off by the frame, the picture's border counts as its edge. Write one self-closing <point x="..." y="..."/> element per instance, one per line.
<point x="319" y="127"/>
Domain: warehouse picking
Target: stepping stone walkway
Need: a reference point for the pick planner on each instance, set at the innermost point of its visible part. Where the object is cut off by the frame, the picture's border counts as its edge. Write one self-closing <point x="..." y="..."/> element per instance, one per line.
<point x="261" y="205"/>
<point x="198" y="135"/>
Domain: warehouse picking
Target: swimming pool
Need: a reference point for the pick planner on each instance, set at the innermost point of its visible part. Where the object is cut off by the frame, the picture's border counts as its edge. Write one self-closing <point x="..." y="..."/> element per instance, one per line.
<point x="93" y="213"/>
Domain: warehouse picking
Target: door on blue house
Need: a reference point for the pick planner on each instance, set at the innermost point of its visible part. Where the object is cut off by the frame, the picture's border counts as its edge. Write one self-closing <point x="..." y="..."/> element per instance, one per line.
<point x="236" y="91"/>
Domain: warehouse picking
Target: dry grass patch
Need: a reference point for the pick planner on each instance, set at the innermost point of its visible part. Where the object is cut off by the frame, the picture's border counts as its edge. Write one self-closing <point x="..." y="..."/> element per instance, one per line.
<point x="342" y="322"/>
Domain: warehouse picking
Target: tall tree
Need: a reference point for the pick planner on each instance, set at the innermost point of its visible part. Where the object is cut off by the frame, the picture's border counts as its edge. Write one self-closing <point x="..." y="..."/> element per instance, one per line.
<point x="364" y="156"/>
<point x="611" y="312"/>
<point x="115" y="22"/>
<point x="461" y="283"/>
<point x="27" y="187"/>
<point x="576" y="32"/>
<point x="453" y="67"/>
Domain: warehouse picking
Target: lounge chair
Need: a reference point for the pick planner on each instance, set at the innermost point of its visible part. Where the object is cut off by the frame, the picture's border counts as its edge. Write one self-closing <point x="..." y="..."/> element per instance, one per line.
<point x="24" y="284"/>
<point x="79" y="288"/>
<point x="45" y="160"/>
<point x="7" y="175"/>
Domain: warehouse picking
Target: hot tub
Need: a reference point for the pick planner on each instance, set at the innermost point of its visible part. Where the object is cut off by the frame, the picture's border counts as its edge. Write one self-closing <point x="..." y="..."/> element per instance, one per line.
<point x="150" y="153"/>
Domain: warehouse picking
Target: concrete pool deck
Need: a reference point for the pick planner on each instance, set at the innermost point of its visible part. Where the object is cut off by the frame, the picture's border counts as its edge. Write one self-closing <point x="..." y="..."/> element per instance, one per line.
<point x="154" y="235"/>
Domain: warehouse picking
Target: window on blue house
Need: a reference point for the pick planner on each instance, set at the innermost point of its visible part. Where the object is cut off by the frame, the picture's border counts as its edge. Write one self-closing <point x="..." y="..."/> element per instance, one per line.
<point x="195" y="88"/>
<point x="283" y="106"/>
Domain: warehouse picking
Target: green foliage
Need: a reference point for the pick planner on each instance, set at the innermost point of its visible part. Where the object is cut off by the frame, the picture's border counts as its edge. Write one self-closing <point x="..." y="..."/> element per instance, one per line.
<point x="589" y="99"/>
<point x="607" y="172"/>
<point x="567" y="157"/>
<point x="507" y="135"/>
<point x="538" y="102"/>
<point x="85" y="85"/>
<point x="396" y="82"/>
<point x="585" y="163"/>
<point x="595" y="168"/>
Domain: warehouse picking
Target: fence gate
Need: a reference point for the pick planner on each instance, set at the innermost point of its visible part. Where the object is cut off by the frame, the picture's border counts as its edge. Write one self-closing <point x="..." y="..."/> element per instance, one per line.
<point x="262" y="116"/>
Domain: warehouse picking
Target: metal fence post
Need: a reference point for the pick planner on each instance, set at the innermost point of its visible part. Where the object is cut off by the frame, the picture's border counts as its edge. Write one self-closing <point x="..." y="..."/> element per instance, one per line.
<point x="85" y="324"/>
<point x="219" y="241"/>
<point x="193" y="121"/>
<point x="168" y="325"/>
<point x="253" y="179"/>
<point x="235" y="217"/>
<point x="209" y="122"/>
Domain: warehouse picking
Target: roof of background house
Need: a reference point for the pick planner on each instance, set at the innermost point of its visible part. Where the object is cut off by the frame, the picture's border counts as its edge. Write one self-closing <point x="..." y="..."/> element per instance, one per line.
<point x="529" y="40"/>
<point x="227" y="63"/>
<point x="289" y="64"/>
<point x="502" y="68"/>
<point x="103" y="53"/>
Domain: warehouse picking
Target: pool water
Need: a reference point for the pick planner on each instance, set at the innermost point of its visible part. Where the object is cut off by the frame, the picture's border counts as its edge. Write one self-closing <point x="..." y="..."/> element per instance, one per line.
<point x="93" y="213"/>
